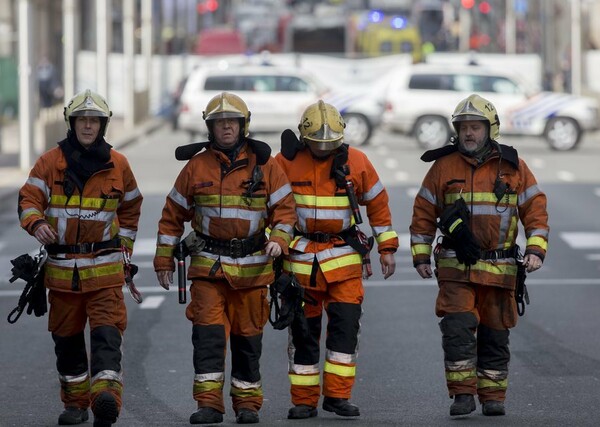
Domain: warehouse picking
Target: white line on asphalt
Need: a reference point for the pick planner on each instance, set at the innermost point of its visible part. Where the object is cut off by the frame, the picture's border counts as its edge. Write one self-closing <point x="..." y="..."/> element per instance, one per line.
<point x="391" y="163"/>
<point x="538" y="163"/>
<point x="582" y="240"/>
<point x="593" y="257"/>
<point x="401" y="176"/>
<point x="566" y="176"/>
<point x="412" y="192"/>
<point x="152" y="302"/>
<point x="597" y="191"/>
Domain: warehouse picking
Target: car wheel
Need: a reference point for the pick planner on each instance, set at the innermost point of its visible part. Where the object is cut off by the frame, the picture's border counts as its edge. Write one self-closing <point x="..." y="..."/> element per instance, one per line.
<point x="562" y="133"/>
<point x="431" y="132"/>
<point x="358" y="129"/>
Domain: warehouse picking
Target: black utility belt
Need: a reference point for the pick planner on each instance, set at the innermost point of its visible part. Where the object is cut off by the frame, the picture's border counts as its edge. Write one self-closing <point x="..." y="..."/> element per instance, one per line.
<point x="234" y="248"/>
<point x="83" y="248"/>
<point x="511" y="252"/>
<point x="326" y="237"/>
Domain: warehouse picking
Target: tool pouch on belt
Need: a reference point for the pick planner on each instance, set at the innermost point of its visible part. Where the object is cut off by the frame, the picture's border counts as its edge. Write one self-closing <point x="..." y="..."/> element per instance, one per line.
<point x="34" y="295"/>
<point x="521" y="294"/>
<point x="453" y="223"/>
<point x="287" y="302"/>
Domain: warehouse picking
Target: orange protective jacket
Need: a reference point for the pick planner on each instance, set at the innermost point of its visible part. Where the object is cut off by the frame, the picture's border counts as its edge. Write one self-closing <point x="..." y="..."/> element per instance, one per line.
<point x="109" y="206"/>
<point x="494" y="222"/>
<point x="210" y="192"/>
<point x="322" y="207"/>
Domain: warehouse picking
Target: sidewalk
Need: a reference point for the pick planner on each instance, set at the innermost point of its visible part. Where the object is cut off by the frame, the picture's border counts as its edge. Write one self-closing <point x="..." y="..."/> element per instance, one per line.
<point x="12" y="177"/>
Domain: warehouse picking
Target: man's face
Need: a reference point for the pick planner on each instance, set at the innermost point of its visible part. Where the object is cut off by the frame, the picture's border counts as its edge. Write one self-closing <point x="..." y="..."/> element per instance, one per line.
<point x="87" y="129"/>
<point x="472" y="135"/>
<point x="226" y="132"/>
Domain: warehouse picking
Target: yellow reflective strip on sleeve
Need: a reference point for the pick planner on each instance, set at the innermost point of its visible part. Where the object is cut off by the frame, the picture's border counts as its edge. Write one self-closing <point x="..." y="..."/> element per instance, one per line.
<point x="342" y="371"/>
<point x="537" y="241"/>
<point x="297" y="267"/>
<point x="304" y="379"/>
<point x="421" y="249"/>
<point x="486" y="382"/>
<point x="282" y="235"/>
<point x="454" y="225"/>
<point x="386" y="236"/>
<point x="460" y="375"/>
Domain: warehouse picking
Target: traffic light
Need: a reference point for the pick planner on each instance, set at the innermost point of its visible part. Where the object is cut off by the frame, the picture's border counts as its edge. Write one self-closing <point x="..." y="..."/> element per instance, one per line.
<point x="207" y="6"/>
<point x="485" y="7"/>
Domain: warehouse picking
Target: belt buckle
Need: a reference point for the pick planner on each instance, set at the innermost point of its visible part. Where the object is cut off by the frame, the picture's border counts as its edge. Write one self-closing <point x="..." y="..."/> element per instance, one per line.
<point x="236" y="247"/>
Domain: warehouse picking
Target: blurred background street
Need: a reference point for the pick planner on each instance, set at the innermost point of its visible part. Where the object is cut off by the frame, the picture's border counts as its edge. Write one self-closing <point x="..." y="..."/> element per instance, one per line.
<point x="393" y="68"/>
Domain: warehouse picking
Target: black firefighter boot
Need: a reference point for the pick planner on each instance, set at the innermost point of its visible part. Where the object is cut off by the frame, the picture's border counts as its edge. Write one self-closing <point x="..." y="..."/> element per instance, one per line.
<point x="463" y="404"/>
<point x="206" y="415"/>
<point x="73" y="416"/>
<point x="340" y="406"/>
<point x="492" y="408"/>
<point x="300" y="412"/>
<point x="105" y="410"/>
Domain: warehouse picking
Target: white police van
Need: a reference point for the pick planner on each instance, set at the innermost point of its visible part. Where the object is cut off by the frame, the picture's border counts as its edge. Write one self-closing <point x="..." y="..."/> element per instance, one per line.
<point x="421" y="98"/>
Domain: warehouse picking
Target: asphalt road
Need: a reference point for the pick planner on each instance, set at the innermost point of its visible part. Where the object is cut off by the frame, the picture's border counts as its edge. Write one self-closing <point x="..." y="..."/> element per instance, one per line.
<point x="555" y="369"/>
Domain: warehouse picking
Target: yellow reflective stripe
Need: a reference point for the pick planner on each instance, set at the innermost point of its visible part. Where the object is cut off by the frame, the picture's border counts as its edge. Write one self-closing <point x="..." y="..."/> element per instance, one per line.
<point x="282" y="235"/>
<point x="421" y="249"/>
<point x="537" y="241"/>
<point x="249" y="392"/>
<point x="297" y="267"/>
<point x="304" y="379"/>
<point x="479" y="197"/>
<point x="230" y="200"/>
<point x="321" y="201"/>
<point x="460" y="375"/>
<point x="87" y="202"/>
<point x="510" y="236"/>
<point x="486" y="382"/>
<point x="204" y="386"/>
<point x="488" y="267"/>
<point x="82" y="387"/>
<point x="386" y="236"/>
<point x="244" y="271"/>
<point x="29" y="213"/>
<point x="104" y="270"/>
<point x="58" y="273"/>
<point x="166" y="251"/>
<point x="455" y="224"/>
<point x="341" y="370"/>
<point x="102" y="385"/>
<point x="343" y="261"/>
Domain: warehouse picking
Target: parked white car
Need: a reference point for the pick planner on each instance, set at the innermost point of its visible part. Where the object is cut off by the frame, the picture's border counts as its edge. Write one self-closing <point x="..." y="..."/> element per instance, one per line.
<point x="421" y="98"/>
<point x="276" y="97"/>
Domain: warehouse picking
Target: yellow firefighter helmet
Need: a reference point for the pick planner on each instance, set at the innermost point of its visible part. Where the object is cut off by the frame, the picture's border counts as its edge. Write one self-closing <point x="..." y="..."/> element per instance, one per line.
<point x="88" y="104"/>
<point x="477" y="108"/>
<point x="322" y="126"/>
<point x="227" y="106"/>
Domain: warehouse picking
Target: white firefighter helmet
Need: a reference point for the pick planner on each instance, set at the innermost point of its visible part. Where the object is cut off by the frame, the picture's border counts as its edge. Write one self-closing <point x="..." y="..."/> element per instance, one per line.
<point x="227" y="106"/>
<point x="474" y="107"/>
<point x="88" y="104"/>
<point x="322" y="126"/>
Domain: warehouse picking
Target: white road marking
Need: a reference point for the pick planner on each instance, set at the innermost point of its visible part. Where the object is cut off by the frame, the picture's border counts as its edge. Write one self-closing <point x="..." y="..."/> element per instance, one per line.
<point x="144" y="247"/>
<point x="537" y="163"/>
<point x="412" y="192"/>
<point x="401" y="176"/>
<point x="593" y="257"/>
<point x="391" y="163"/>
<point x="597" y="191"/>
<point x="152" y="302"/>
<point x="581" y="240"/>
<point x="566" y="176"/>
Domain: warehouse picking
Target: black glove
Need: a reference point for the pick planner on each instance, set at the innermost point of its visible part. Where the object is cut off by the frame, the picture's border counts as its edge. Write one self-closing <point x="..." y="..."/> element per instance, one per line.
<point x="454" y="224"/>
<point x="465" y="245"/>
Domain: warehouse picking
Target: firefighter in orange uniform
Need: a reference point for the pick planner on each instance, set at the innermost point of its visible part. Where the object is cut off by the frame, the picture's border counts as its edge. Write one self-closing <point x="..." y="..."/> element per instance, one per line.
<point x="231" y="192"/>
<point x="329" y="179"/>
<point x="475" y="193"/>
<point x="82" y="202"/>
